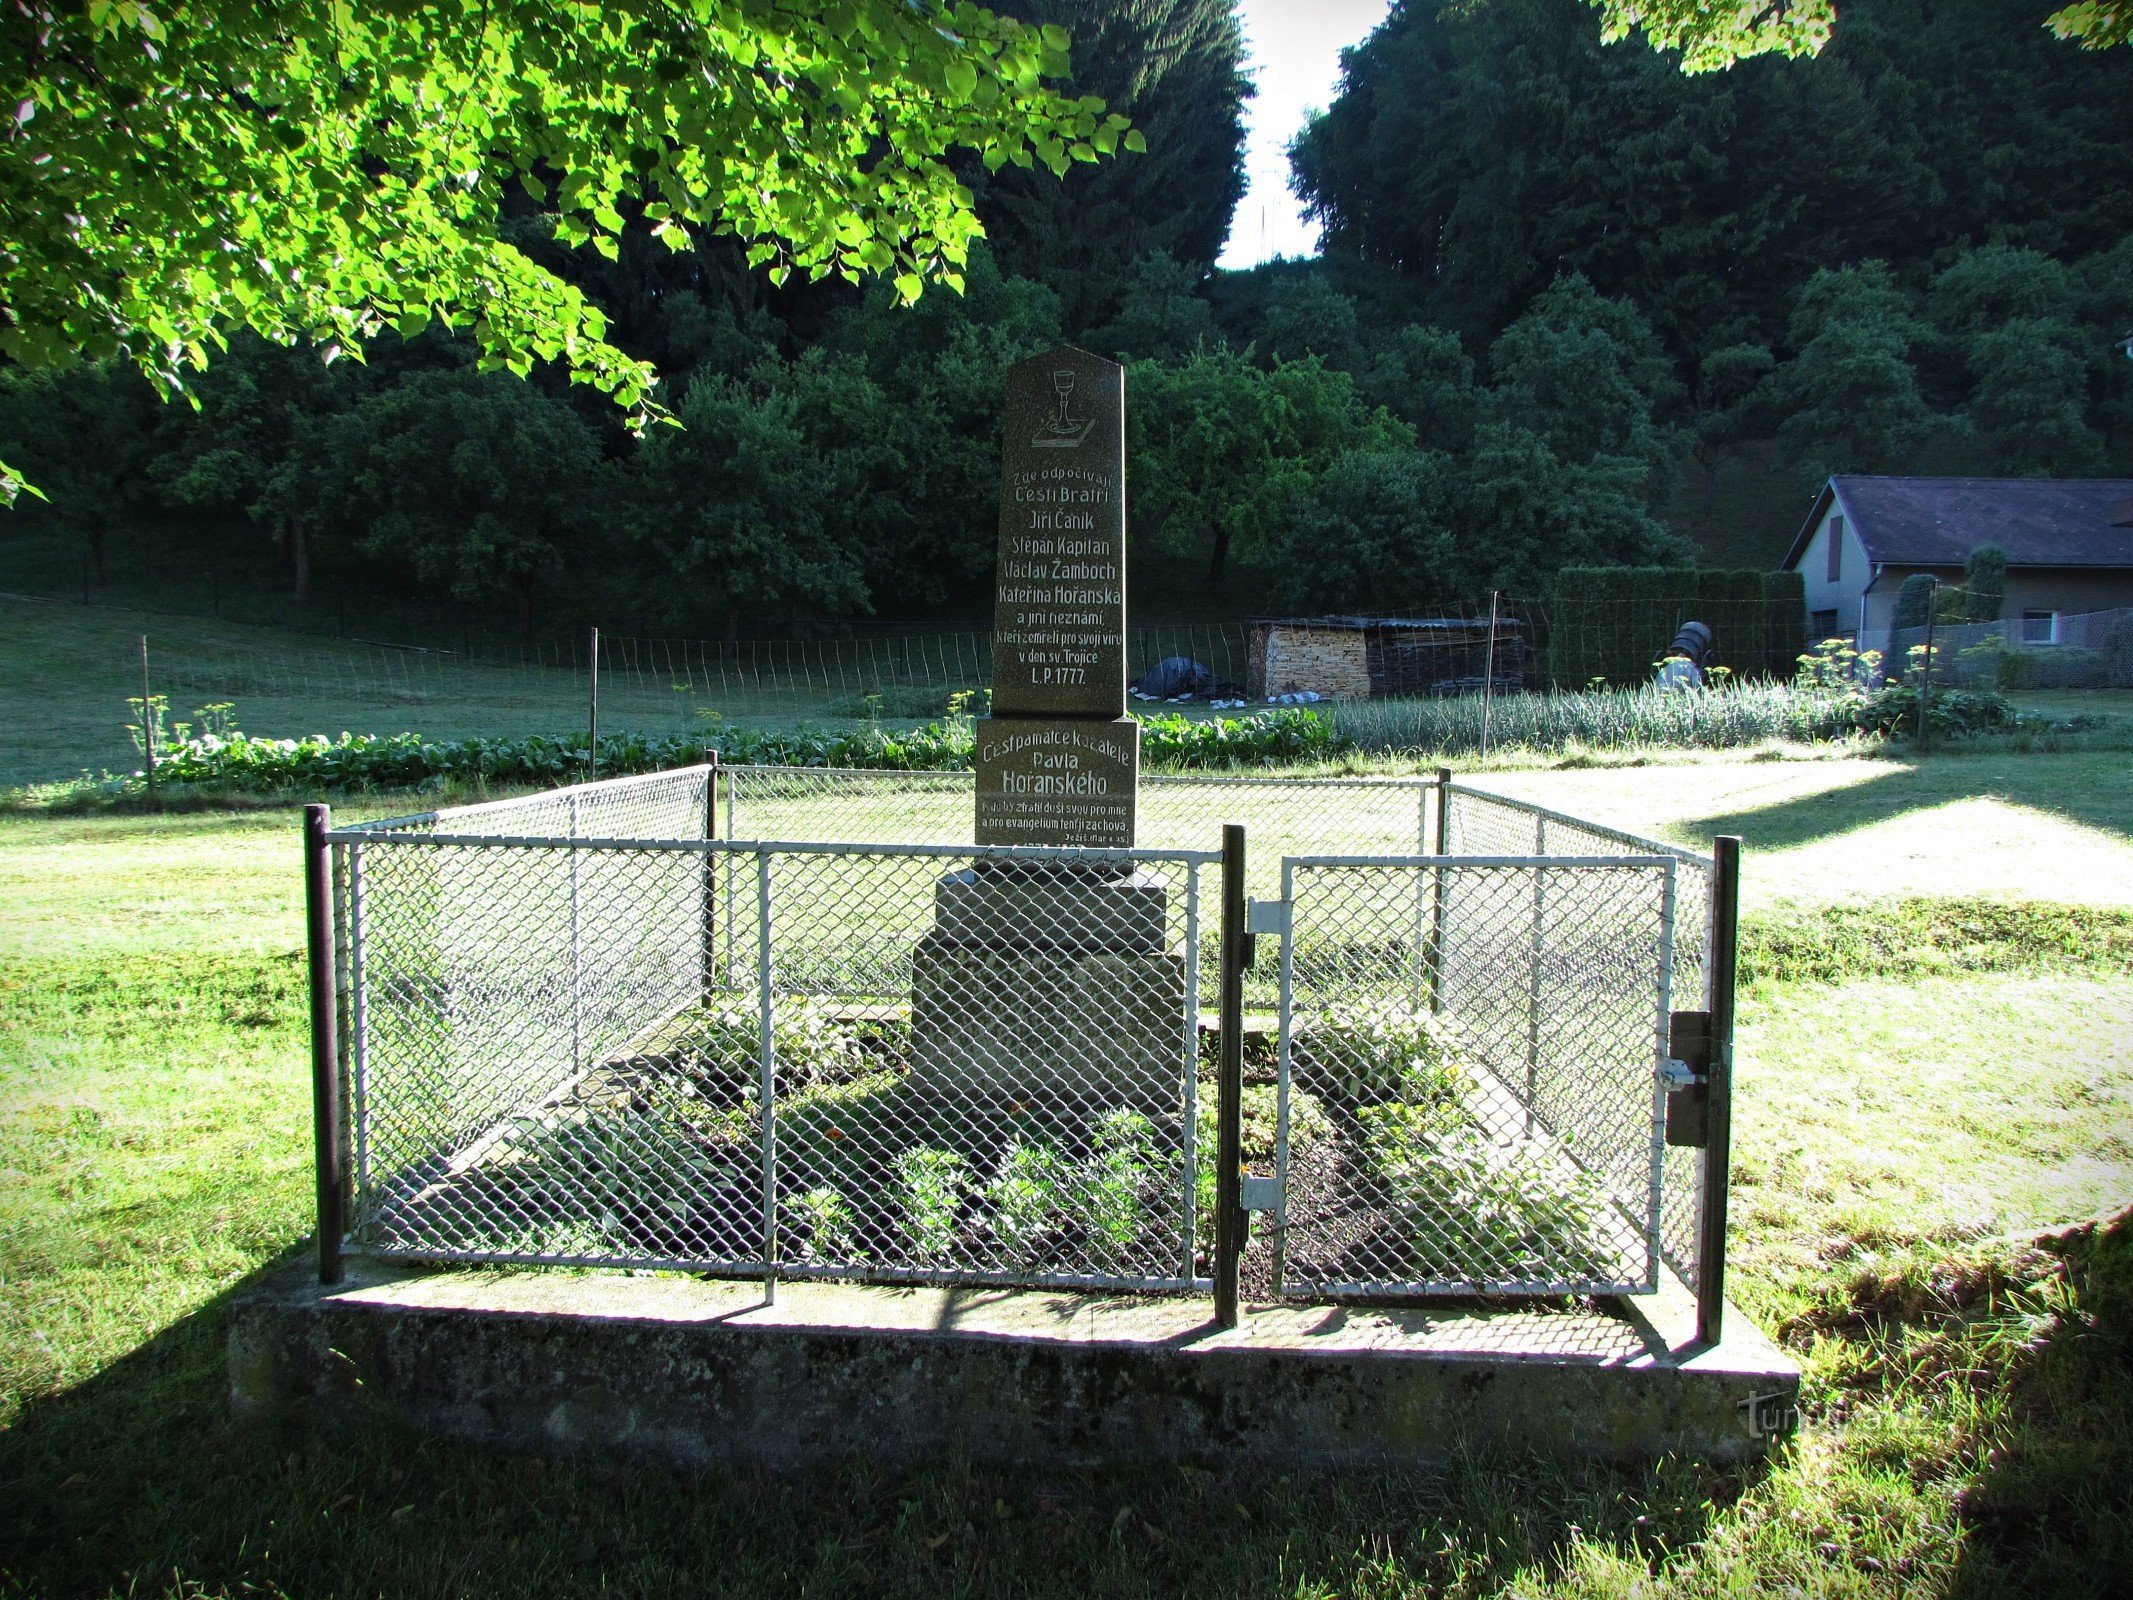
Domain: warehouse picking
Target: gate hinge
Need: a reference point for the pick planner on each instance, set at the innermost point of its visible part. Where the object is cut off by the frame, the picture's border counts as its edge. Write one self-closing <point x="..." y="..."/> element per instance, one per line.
<point x="1267" y="916"/>
<point x="1687" y="1077"/>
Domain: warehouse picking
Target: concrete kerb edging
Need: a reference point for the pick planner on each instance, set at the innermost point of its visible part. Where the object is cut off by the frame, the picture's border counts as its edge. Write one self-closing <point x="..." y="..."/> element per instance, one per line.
<point x="698" y="1374"/>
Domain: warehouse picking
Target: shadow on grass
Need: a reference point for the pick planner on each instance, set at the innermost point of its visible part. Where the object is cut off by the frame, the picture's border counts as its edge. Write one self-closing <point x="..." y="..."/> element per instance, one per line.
<point x="2093" y="792"/>
<point x="2052" y="1512"/>
<point x="135" y="1481"/>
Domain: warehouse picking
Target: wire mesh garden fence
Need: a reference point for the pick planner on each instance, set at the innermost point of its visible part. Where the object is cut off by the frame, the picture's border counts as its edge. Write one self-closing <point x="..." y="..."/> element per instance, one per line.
<point x="623" y="1025"/>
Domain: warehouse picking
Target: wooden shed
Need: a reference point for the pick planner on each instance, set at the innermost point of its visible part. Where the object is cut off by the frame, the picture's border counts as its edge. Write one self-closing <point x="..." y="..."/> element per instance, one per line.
<point x="1379" y="658"/>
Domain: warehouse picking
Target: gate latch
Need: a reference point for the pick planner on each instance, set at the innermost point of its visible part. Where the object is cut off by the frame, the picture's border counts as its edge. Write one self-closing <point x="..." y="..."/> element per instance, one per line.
<point x="1267" y="916"/>
<point x="1687" y="1076"/>
<point x="1261" y="1193"/>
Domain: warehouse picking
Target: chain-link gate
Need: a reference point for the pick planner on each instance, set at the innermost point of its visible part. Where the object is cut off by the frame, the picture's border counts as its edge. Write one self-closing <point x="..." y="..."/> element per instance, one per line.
<point x="605" y="1026"/>
<point x="1468" y="1068"/>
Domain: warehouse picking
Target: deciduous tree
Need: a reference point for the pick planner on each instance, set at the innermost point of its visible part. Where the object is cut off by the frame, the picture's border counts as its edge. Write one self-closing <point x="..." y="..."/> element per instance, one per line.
<point x="178" y="168"/>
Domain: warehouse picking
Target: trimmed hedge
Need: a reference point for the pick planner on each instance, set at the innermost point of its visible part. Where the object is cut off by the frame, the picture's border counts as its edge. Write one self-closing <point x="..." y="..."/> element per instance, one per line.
<point x="1784" y="623"/>
<point x="1614" y="623"/>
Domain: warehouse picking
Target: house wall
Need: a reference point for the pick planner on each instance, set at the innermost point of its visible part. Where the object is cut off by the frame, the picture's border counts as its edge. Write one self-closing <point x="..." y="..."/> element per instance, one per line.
<point x="1854" y="572"/>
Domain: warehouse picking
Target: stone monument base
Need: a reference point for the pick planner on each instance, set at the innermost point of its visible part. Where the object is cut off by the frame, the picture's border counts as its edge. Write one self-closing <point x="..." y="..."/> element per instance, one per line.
<point x="1050" y="984"/>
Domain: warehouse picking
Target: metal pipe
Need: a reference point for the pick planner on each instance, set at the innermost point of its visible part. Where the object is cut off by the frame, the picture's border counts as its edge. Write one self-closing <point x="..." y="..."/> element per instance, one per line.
<point x="1229" y="1085"/>
<point x="325" y="1051"/>
<point x="1718" y="1150"/>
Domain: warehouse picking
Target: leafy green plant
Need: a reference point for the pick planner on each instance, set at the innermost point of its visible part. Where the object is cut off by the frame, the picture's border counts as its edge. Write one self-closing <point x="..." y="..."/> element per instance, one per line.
<point x="1362" y="1054"/>
<point x="1474" y="1209"/>
<point x="1894" y="709"/>
<point x="1121" y="1166"/>
<point x="825" y="1225"/>
<point x="1029" y="1200"/>
<point x="222" y="755"/>
<point x="929" y="1192"/>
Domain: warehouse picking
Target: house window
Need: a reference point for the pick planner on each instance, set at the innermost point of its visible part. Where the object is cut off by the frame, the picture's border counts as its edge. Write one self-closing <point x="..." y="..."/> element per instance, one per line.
<point x="1822" y="625"/>
<point x="2040" y="627"/>
<point x="1836" y="549"/>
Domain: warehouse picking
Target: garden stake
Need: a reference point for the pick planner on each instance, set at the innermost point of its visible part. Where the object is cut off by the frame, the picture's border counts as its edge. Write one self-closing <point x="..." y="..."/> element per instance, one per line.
<point x="592" y="721"/>
<point x="1925" y="669"/>
<point x="1488" y="673"/>
<point x="325" y="1054"/>
<point x="148" y="723"/>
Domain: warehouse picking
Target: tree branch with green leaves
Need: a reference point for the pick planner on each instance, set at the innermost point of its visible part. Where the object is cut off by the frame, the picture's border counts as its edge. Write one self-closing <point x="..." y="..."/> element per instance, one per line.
<point x="1714" y="34"/>
<point x="326" y="171"/>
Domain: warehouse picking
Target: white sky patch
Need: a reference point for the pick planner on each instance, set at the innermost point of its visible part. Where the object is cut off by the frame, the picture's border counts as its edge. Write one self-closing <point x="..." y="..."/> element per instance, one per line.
<point x="1293" y="50"/>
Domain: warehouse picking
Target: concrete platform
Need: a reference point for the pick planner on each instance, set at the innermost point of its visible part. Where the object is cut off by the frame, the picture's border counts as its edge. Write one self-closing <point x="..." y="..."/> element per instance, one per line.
<point x="699" y="1373"/>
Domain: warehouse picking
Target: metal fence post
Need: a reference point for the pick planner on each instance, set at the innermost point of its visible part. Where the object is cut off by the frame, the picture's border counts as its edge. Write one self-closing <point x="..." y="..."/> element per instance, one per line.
<point x="325" y="1052"/>
<point x="1537" y="945"/>
<point x="710" y="878"/>
<point x="1229" y="1085"/>
<point x="1192" y="1066"/>
<point x="1718" y="1150"/>
<point x="1436" y="924"/>
<point x="769" y="1087"/>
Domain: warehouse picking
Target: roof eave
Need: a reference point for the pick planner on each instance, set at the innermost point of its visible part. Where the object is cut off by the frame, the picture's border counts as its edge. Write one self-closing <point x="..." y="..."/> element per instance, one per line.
<point x="1807" y="529"/>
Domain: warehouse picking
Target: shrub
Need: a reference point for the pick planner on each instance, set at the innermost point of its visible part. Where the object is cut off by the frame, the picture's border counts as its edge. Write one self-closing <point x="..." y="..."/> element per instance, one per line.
<point x="1894" y="709"/>
<point x="396" y="761"/>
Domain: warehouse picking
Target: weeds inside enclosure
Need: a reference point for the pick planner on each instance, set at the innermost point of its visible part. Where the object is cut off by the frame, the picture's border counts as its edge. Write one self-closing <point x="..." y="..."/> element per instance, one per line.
<point x="1403" y="1161"/>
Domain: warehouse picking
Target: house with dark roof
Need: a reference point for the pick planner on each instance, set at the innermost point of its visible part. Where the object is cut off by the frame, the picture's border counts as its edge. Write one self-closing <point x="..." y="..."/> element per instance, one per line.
<point x="2069" y="544"/>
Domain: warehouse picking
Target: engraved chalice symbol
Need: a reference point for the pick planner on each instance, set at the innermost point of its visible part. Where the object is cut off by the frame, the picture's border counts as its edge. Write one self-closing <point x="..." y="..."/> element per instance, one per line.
<point x="1063" y="432"/>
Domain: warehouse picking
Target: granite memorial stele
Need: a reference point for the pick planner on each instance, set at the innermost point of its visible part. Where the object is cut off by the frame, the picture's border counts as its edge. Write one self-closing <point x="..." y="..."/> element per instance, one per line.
<point x="1044" y="978"/>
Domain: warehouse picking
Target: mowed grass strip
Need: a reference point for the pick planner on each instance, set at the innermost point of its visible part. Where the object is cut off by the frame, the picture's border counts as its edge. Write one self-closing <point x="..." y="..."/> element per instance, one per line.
<point x="1909" y="1151"/>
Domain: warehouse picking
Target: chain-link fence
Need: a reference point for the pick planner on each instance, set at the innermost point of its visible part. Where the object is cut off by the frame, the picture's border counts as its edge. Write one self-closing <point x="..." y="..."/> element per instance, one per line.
<point x="792" y="1022"/>
<point x="583" y="1031"/>
<point x="2030" y="650"/>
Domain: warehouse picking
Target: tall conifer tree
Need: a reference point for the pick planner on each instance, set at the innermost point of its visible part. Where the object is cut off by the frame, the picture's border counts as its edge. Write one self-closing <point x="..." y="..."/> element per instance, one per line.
<point x="1176" y="68"/>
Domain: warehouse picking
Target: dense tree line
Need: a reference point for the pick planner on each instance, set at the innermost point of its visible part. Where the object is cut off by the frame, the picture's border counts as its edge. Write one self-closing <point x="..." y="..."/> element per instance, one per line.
<point x="1561" y="278"/>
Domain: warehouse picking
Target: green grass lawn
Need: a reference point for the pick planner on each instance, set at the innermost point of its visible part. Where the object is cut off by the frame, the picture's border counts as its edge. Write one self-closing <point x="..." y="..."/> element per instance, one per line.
<point x="1914" y="1153"/>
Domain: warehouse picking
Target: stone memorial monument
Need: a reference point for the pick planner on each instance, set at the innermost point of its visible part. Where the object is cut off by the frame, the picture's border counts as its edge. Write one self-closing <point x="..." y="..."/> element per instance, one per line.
<point x="1045" y="977"/>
